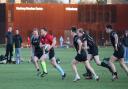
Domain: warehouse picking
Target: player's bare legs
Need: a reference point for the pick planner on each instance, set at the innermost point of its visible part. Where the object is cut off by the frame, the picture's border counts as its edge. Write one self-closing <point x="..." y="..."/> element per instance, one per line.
<point x="58" y="67"/>
<point x="74" y="63"/>
<point x="123" y="65"/>
<point x="89" y="67"/>
<point x="103" y="64"/>
<point x="36" y="65"/>
<point x="111" y="63"/>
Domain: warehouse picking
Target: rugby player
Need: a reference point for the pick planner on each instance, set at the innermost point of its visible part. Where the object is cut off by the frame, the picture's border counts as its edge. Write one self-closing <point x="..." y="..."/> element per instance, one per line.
<point x="48" y="39"/>
<point x="118" y="52"/>
<point x="38" y="53"/>
<point x="92" y="51"/>
<point x="81" y="56"/>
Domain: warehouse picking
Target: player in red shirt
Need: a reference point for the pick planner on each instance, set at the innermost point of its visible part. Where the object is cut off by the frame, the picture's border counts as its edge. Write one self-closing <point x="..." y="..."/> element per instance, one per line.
<point x="48" y="39"/>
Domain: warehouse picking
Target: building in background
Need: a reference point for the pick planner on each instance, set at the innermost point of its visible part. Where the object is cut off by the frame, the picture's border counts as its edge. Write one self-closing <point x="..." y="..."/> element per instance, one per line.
<point x="88" y="1"/>
<point x="92" y="17"/>
<point x="117" y="1"/>
<point x="67" y="1"/>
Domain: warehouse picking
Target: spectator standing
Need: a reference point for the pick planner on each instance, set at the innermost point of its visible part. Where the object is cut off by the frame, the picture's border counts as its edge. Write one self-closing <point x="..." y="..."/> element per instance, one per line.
<point x="125" y="44"/>
<point x="9" y="45"/>
<point x="61" y="41"/>
<point x="18" y="44"/>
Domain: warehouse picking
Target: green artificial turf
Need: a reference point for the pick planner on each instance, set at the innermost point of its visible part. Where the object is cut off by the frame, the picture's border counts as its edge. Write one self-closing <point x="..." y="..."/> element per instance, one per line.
<point x="23" y="76"/>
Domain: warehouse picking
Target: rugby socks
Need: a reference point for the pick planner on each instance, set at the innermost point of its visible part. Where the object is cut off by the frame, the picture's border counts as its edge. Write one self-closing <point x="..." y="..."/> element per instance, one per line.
<point x="43" y="65"/>
<point x="38" y="72"/>
<point x="115" y="73"/>
<point x="58" y="67"/>
<point x="38" y="69"/>
<point x="88" y="72"/>
<point x="106" y="66"/>
<point x="115" y="76"/>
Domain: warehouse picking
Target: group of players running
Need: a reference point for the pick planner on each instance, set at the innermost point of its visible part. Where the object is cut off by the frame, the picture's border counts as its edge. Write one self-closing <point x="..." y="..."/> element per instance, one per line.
<point x="86" y="49"/>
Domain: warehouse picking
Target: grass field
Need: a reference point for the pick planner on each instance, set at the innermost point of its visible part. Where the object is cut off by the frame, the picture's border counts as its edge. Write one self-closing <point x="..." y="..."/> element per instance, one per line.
<point x="23" y="76"/>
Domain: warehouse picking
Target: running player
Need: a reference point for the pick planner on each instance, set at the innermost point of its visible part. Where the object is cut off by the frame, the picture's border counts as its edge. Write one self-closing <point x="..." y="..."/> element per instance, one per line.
<point x="38" y="53"/>
<point x="81" y="56"/>
<point x="118" y="52"/>
<point x="92" y="52"/>
<point x="50" y="40"/>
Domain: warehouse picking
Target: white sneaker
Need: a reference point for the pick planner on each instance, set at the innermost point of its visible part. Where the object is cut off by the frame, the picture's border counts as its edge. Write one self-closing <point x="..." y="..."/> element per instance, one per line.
<point x="96" y="78"/>
<point x="77" y="78"/>
<point x="114" y="77"/>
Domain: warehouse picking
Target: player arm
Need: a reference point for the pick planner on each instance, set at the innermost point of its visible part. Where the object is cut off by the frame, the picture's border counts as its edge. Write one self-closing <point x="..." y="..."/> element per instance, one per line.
<point x="116" y="39"/>
<point x="42" y="46"/>
<point x="80" y="45"/>
<point x="85" y="45"/>
<point x="53" y="43"/>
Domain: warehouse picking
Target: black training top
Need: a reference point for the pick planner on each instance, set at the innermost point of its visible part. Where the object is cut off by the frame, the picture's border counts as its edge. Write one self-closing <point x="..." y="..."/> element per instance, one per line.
<point x="75" y="43"/>
<point x="113" y="40"/>
<point x="9" y="37"/>
<point x="89" y="39"/>
<point x="17" y="41"/>
<point x="35" y="41"/>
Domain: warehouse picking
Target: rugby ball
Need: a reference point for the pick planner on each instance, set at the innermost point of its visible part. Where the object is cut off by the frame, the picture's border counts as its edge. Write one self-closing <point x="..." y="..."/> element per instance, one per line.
<point x="47" y="46"/>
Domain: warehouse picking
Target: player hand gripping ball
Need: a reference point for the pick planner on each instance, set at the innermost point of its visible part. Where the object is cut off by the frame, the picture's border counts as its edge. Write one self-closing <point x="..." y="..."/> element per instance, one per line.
<point x="47" y="48"/>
